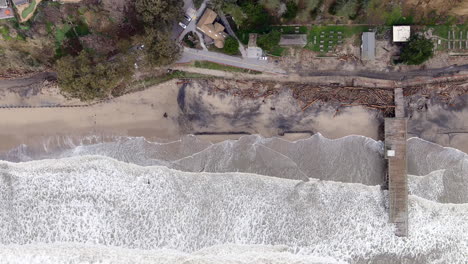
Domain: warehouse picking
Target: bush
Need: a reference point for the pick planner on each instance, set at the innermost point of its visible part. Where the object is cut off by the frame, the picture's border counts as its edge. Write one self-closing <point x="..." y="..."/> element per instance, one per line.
<point x="160" y="48"/>
<point x="291" y="10"/>
<point x="417" y="50"/>
<point x="87" y="78"/>
<point x="257" y="18"/>
<point x="231" y="46"/>
<point x="269" y="41"/>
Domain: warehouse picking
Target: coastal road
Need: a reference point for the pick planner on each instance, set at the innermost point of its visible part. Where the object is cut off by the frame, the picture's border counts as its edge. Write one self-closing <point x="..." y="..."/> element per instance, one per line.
<point x="394" y="76"/>
<point x="190" y="55"/>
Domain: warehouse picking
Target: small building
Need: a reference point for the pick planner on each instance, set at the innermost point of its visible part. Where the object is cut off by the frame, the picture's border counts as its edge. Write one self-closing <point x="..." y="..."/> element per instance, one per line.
<point x="20" y="2"/>
<point x="6" y="13"/>
<point x="368" y="46"/>
<point x="212" y="29"/>
<point x="299" y="40"/>
<point x="401" y="33"/>
<point x="3" y="4"/>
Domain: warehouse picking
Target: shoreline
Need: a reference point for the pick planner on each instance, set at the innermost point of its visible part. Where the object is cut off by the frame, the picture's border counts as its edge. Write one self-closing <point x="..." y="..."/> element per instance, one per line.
<point x="168" y="111"/>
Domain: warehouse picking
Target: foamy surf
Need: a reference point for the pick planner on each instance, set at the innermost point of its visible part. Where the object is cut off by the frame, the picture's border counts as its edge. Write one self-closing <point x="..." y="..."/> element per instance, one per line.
<point x="95" y="200"/>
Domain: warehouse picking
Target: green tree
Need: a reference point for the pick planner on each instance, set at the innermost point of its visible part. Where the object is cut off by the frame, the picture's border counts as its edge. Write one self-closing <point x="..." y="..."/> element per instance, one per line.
<point x="159" y="13"/>
<point x="269" y="41"/>
<point x="258" y="19"/>
<point x="417" y="50"/>
<point x="160" y="48"/>
<point x="231" y="46"/>
<point x="86" y="78"/>
<point x="291" y="10"/>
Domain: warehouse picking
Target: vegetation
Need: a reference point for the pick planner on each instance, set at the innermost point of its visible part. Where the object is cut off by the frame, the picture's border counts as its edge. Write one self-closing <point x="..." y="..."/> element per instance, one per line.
<point x="26" y="12"/>
<point x="197" y="3"/>
<point x="160" y="49"/>
<point x="417" y="50"/>
<point x="159" y="13"/>
<point x="257" y="18"/>
<point x="291" y="10"/>
<point x="345" y="8"/>
<point x="269" y="42"/>
<point x="87" y="77"/>
<point x="291" y="29"/>
<point x="315" y="36"/>
<point x="395" y="17"/>
<point x="154" y="80"/>
<point x="231" y="46"/>
<point x="221" y="67"/>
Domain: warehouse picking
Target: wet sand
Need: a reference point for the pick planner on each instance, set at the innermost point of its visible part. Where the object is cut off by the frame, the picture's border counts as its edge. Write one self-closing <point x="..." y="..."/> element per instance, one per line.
<point x="189" y="109"/>
<point x="168" y="111"/>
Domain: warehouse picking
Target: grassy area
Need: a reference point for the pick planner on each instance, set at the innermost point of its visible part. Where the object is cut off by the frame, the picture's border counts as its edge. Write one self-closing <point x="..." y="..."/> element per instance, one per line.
<point x="167" y="77"/>
<point x="26" y="12"/>
<point x="442" y="31"/>
<point x="5" y="32"/>
<point x="291" y="29"/>
<point x="236" y="12"/>
<point x="215" y="66"/>
<point x="276" y="51"/>
<point x="329" y="36"/>
<point x="60" y="33"/>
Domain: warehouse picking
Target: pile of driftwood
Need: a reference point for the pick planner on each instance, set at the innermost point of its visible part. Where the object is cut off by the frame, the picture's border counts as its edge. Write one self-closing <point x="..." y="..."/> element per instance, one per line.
<point x="245" y="89"/>
<point x="443" y="92"/>
<point x="380" y="99"/>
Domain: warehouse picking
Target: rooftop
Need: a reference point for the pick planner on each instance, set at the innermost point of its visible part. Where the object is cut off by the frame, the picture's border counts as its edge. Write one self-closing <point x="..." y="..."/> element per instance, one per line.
<point x="3" y="4"/>
<point x="20" y="2"/>
<point x="368" y="46"/>
<point x="401" y="33"/>
<point x="293" y="40"/>
<point x="212" y="29"/>
<point x="6" y="13"/>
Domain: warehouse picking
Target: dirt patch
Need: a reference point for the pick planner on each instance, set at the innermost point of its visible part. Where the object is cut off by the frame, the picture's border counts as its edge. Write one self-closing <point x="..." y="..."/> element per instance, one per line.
<point x="425" y="7"/>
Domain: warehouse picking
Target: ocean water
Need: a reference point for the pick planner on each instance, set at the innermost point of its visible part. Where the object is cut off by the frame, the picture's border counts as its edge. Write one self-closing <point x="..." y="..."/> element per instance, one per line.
<point x="252" y="200"/>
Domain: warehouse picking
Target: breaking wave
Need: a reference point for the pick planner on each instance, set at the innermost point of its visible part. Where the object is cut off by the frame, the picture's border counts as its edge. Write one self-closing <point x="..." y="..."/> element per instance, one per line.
<point x="240" y="201"/>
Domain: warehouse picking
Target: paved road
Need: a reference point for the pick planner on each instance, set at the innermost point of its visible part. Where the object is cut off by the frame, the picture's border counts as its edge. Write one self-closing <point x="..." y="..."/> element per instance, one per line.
<point x="394" y="76"/>
<point x="192" y="25"/>
<point x="251" y="64"/>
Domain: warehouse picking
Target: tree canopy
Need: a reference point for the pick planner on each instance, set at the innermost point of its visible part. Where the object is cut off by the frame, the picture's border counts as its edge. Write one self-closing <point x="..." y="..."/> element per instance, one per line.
<point x="257" y="18"/>
<point x="159" y="13"/>
<point x="160" y="49"/>
<point x="87" y="78"/>
<point x="417" y="50"/>
<point x="231" y="46"/>
<point x="291" y="10"/>
<point x="269" y="41"/>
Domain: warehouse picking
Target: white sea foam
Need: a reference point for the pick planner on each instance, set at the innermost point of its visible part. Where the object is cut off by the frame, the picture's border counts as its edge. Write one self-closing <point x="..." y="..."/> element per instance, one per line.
<point x="59" y="253"/>
<point x="94" y="200"/>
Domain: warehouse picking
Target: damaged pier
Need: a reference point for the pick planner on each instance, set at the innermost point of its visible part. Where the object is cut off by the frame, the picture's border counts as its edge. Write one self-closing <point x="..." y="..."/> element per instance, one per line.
<point x="395" y="153"/>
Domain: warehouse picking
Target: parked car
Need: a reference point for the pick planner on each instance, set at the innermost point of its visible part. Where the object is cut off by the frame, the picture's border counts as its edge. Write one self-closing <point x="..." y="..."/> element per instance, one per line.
<point x="182" y="25"/>
<point x="188" y="17"/>
<point x="263" y="58"/>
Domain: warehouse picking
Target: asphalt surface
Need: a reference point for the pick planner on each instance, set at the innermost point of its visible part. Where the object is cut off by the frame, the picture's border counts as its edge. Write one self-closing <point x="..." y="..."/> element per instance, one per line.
<point x="192" y="25"/>
<point x="395" y="76"/>
<point x="252" y="64"/>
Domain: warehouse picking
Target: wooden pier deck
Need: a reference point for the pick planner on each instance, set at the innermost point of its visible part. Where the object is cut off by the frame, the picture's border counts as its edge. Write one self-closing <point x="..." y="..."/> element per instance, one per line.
<point x="395" y="152"/>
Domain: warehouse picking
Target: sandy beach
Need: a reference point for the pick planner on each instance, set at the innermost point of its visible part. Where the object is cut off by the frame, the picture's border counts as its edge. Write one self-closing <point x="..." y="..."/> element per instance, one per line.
<point x="170" y="110"/>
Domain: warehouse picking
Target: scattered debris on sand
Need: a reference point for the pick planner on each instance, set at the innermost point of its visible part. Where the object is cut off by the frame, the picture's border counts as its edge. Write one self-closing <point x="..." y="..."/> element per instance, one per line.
<point x="308" y="94"/>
